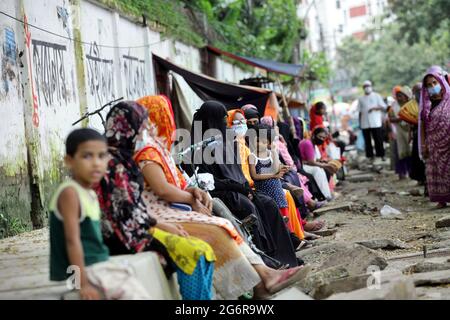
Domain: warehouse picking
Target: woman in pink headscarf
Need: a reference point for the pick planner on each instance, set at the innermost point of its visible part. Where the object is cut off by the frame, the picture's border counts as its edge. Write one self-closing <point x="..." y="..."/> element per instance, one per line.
<point x="435" y="134"/>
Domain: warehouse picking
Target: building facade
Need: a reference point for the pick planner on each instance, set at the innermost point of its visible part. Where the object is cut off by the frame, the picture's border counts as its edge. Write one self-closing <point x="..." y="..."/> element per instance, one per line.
<point x="330" y="21"/>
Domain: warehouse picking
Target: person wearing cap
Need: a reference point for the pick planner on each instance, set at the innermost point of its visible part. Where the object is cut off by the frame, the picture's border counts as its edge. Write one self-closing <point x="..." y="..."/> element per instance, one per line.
<point x="370" y="107"/>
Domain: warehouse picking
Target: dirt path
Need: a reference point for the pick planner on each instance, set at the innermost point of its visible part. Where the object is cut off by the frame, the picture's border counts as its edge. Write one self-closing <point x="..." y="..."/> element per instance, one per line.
<point x="24" y="258"/>
<point x="415" y="226"/>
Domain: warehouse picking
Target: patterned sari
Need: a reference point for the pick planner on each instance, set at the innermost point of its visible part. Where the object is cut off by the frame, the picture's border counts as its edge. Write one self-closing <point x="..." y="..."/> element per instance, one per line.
<point x="233" y="274"/>
<point x="437" y="137"/>
<point x="126" y="225"/>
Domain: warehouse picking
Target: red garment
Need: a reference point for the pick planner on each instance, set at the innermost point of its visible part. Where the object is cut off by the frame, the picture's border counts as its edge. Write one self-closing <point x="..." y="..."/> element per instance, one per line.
<point x="314" y="119"/>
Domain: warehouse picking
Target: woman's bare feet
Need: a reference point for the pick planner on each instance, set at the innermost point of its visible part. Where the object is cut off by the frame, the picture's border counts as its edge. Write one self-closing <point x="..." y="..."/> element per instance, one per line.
<point x="276" y="280"/>
<point x="314" y="225"/>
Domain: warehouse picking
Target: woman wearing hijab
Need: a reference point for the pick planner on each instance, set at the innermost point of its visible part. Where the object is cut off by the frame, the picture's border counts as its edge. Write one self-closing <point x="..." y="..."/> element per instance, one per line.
<point x="318" y="110"/>
<point x="292" y="179"/>
<point x="435" y="135"/>
<point x="312" y="163"/>
<point x="403" y="164"/>
<point x="237" y="269"/>
<point x="237" y="122"/>
<point x="271" y="234"/>
<point x="308" y="179"/>
<point x="126" y="225"/>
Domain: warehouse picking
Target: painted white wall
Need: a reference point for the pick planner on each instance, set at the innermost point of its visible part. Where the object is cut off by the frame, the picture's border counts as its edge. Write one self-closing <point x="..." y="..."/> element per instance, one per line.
<point x="59" y="87"/>
<point x="54" y="77"/>
<point x="12" y="130"/>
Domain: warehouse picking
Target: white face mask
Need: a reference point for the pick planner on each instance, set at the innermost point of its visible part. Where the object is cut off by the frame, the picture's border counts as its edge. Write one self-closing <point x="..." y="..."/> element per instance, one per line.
<point x="240" y="129"/>
<point x="142" y="140"/>
<point x="368" y="90"/>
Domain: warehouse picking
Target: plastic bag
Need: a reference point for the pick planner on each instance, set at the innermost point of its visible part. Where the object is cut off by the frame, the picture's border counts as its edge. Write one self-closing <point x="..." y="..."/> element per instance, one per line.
<point x="388" y="211"/>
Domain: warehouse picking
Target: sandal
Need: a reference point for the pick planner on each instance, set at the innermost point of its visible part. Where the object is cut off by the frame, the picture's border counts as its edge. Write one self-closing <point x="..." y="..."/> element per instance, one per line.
<point x="312" y="236"/>
<point x="304" y="244"/>
<point x="320" y="204"/>
<point x="290" y="277"/>
<point x="441" y="205"/>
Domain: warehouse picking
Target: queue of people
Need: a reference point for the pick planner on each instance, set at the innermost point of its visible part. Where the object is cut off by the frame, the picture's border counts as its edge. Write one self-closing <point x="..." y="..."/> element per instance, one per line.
<point x="127" y="194"/>
<point x="417" y="122"/>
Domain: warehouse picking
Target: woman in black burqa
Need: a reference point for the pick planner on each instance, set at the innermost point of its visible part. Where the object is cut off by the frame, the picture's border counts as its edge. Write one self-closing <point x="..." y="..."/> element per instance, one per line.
<point x="271" y="234"/>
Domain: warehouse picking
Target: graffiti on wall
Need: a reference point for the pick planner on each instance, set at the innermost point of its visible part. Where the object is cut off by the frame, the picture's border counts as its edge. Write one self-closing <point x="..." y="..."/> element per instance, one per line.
<point x="50" y="73"/>
<point x="134" y="70"/>
<point x="63" y="15"/>
<point x="8" y="63"/>
<point x="100" y="76"/>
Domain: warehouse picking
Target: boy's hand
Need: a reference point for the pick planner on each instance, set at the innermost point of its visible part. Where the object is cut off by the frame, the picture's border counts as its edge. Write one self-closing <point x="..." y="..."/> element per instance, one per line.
<point x="89" y="292"/>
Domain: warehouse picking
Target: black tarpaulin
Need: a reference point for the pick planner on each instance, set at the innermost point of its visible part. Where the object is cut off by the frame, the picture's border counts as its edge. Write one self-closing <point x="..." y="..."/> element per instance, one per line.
<point x="231" y="95"/>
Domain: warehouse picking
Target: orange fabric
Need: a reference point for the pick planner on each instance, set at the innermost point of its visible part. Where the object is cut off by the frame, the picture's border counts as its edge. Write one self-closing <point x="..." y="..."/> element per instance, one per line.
<point x="160" y="114"/>
<point x="162" y="128"/>
<point x="244" y="151"/>
<point x="295" y="225"/>
<point x="151" y="154"/>
<point x="231" y="115"/>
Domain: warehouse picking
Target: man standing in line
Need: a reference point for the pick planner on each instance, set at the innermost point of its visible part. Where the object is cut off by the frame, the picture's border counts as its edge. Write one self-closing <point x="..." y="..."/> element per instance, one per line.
<point x="370" y="108"/>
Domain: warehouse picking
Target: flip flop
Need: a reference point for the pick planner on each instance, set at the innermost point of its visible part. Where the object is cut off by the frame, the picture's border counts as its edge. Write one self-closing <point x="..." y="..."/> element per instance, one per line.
<point x="304" y="244"/>
<point x="290" y="277"/>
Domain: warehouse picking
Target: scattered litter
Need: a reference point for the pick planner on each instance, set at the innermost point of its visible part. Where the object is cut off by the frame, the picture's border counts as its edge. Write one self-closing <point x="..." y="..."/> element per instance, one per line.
<point x="388" y="212"/>
<point x="403" y="193"/>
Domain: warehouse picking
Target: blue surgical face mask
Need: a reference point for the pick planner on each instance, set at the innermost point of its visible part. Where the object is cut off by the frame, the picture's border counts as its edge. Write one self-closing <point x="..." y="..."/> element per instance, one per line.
<point x="435" y="90"/>
<point x="240" y="129"/>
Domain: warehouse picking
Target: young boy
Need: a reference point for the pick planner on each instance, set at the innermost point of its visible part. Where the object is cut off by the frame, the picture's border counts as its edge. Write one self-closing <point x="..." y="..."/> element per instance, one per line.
<point x="76" y="243"/>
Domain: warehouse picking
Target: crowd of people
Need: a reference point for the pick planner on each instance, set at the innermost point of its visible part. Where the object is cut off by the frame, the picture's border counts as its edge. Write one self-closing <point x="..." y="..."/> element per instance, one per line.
<point x="127" y="194"/>
<point x="415" y="122"/>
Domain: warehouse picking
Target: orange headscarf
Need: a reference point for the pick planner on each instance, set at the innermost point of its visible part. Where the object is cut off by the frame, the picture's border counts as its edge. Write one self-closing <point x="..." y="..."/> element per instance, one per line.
<point x="162" y="128"/>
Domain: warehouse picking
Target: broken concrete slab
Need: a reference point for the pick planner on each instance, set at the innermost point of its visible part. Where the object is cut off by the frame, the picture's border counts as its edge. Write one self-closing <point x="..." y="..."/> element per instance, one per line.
<point x="291" y="294"/>
<point x="432" y="278"/>
<point x="325" y="233"/>
<point x="440" y="245"/>
<point x="386" y="244"/>
<point x="337" y="207"/>
<point x="361" y="178"/>
<point x="398" y="289"/>
<point x="322" y="277"/>
<point x="324" y="290"/>
<point x="427" y="266"/>
<point x="356" y="282"/>
<point x="443" y="222"/>
<point x="355" y="258"/>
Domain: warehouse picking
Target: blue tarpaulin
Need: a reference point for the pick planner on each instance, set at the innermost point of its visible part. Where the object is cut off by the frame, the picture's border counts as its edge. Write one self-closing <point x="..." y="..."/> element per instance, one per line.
<point x="294" y="70"/>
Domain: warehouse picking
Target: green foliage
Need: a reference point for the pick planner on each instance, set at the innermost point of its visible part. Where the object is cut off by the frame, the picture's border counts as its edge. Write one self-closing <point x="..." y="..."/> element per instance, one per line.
<point x="169" y="13"/>
<point x="420" y="18"/>
<point x="403" y="50"/>
<point x="11" y="226"/>
<point x="265" y="29"/>
<point x="319" y="67"/>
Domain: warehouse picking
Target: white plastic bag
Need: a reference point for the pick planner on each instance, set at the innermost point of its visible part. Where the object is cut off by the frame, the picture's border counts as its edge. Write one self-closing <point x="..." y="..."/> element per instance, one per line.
<point x="388" y="211"/>
<point x="333" y="151"/>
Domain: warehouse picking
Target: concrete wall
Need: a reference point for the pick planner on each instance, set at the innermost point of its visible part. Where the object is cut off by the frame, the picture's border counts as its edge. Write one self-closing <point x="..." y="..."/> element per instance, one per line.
<point x="48" y="82"/>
